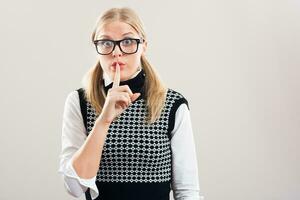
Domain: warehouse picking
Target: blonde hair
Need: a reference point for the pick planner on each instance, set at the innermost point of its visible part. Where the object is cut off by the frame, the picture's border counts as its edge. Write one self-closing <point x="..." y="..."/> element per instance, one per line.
<point x="155" y="90"/>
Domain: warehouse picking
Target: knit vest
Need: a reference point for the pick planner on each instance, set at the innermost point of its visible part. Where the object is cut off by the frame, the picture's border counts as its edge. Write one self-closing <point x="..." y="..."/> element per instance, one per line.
<point x="136" y="161"/>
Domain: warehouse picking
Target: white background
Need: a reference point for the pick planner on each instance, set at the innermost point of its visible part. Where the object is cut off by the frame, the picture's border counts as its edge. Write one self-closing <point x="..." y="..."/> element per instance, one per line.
<point x="236" y="61"/>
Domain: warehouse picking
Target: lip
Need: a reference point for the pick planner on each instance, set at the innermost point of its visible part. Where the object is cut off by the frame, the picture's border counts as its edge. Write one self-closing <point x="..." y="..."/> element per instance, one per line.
<point x="115" y="63"/>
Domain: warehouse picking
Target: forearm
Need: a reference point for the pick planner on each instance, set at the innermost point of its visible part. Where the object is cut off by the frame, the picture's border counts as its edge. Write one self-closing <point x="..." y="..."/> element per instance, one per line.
<point x="86" y="160"/>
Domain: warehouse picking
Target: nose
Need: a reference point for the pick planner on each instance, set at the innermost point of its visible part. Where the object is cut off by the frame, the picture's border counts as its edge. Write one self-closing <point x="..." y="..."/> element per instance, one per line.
<point x="117" y="51"/>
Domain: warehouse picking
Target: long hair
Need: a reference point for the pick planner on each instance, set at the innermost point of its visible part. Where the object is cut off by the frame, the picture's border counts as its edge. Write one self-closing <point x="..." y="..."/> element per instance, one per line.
<point x="155" y="90"/>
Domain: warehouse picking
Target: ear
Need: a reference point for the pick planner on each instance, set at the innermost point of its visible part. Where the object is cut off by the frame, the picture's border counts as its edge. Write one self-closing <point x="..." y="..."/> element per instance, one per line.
<point x="145" y="43"/>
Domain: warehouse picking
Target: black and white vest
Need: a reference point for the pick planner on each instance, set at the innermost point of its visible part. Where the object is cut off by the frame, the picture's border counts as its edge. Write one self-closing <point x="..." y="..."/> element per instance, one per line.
<point x="136" y="162"/>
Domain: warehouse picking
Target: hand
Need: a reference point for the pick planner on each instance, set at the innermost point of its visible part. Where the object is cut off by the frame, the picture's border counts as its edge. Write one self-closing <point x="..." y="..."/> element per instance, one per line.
<point x="117" y="100"/>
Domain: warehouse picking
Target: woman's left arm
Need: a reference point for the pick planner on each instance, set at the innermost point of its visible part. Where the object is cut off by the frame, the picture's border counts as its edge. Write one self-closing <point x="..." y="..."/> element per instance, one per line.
<point x="185" y="184"/>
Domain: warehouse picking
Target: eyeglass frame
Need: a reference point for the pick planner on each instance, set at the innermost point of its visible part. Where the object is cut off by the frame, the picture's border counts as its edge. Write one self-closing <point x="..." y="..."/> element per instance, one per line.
<point x="117" y="42"/>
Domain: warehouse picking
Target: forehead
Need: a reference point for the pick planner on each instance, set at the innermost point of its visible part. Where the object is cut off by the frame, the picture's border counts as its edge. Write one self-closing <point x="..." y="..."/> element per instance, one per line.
<point x="116" y="30"/>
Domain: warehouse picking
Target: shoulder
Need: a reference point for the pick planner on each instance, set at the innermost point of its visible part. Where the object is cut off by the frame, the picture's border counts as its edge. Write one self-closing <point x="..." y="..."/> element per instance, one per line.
<point x="72" y="98"/>
<point x="75" y="94"/>
<point x="176" y="98"/>
<point x="178" y="107"/>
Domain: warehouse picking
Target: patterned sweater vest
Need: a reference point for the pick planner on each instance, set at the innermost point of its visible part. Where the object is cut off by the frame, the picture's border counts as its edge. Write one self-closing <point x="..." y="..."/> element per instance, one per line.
<point x="136" y="159"/>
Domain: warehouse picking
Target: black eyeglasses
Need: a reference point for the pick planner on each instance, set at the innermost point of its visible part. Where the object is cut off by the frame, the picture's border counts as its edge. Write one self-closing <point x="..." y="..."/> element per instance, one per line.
<point x="127" y="45"/>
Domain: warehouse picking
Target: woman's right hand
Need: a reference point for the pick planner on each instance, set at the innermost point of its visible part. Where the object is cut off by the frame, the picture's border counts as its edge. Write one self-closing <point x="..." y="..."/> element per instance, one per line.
<point x="117" y="100"/>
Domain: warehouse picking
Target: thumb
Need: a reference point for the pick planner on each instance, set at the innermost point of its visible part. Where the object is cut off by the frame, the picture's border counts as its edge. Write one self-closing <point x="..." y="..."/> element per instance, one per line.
<point x="135" y="96"/>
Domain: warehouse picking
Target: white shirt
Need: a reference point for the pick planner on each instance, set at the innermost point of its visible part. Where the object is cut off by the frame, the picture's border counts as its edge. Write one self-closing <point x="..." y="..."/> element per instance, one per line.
<point x="184" y="184"/>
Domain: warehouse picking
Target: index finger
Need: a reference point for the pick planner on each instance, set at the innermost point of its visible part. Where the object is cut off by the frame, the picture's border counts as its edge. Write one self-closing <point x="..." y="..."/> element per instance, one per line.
<point x="116" y="82"/>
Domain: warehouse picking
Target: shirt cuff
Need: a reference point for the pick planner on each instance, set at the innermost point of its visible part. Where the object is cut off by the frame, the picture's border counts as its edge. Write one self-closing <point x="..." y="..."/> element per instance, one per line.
<point x="70" y="172"/>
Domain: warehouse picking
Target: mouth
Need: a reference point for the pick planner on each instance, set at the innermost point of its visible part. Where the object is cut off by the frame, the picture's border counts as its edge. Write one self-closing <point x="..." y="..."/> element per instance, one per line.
<point x="114" y="64"/>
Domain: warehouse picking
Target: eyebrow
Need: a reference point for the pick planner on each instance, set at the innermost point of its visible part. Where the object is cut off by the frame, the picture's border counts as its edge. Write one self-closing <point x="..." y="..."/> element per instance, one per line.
<point x="106" y="36"/>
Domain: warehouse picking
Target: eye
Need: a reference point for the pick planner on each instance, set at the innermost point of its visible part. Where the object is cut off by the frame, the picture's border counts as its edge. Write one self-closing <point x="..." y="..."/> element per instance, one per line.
<point x="127" y="42"/>
<point x="106" y="43"/>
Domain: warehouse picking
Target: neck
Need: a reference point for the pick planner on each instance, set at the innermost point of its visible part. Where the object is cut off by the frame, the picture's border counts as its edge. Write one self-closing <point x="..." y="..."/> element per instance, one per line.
<point x="107" y="79"/>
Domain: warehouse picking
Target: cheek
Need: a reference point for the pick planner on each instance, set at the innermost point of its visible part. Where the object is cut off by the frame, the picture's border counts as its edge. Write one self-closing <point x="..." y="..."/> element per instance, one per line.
<point x="105" y="62"/>
<point x="137" y="58"/>
<point x="134" y="62"/>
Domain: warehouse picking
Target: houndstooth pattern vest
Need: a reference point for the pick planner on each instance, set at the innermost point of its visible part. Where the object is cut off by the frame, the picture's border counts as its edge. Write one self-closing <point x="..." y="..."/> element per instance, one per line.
<point x="136" y="161"/>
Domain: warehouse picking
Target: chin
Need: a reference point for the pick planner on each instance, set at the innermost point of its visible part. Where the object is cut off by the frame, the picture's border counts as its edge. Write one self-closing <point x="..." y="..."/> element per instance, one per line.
<point x="123" y="78"/>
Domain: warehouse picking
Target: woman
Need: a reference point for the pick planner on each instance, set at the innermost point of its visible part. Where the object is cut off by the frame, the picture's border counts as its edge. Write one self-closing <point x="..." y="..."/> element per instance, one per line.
<point x="125" y="135"/>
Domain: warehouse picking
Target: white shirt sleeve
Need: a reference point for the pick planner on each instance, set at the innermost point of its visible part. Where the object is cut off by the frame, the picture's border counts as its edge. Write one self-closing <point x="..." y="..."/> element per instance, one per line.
<point x="185" y="184"/>
<point x="73" y="137"/>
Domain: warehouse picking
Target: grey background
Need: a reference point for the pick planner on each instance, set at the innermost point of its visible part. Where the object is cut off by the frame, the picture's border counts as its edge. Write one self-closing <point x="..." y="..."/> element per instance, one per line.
<point x="236" y="61"/>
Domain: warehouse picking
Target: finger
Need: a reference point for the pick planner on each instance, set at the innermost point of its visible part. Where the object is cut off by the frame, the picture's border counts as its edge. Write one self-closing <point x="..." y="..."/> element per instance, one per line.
<point x="135" y="96"/>
<point x="122" y="105"/>
<point x="127" y="97"/>
<point x="123" y="101"/>
<point x="116" y="82"/>
<point x="125" y="88"/>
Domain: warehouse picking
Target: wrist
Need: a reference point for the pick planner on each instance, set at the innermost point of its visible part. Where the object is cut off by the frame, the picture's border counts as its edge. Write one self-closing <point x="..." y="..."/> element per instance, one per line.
<point x="102" y="122"/>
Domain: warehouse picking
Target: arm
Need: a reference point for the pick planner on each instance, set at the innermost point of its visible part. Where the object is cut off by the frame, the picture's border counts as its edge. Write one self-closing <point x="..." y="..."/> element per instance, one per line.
<point x="185" y="183"/>
<point x="80" y="155"/>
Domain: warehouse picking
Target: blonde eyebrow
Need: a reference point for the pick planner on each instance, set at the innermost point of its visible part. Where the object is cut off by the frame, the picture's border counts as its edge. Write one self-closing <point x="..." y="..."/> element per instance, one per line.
<point x="106" y="36"/>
